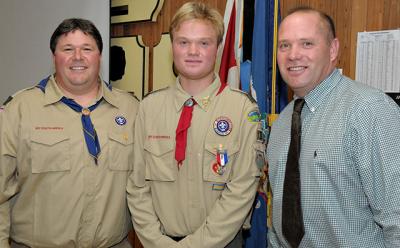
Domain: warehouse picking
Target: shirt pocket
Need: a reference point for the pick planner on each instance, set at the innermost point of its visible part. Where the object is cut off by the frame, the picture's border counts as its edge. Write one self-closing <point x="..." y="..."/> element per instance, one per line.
<point x="120" y="152"/>
<point x="160" y="161"/>
<point x="210" y="158"/>
<point x="50" y="152"/>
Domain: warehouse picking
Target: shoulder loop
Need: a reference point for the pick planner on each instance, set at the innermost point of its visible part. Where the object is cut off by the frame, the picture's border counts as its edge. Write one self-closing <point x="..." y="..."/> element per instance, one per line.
<point x="154" y="91"/>
<point x="8" y="100"/>
<point x="246" y="94"/>
<point x="42" y="84"/>
<point x="108" y="84"/>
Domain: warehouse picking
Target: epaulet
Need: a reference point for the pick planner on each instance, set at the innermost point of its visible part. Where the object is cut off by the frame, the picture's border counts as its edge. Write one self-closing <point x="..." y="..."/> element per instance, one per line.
<point x="155" y="91"/>
<point x="13" y="95"/>
<point x="245" y="93"/>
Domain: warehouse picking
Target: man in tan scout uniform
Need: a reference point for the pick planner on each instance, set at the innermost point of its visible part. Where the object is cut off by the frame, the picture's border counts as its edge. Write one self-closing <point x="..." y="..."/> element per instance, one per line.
<point x="66" y="148"/>
<point x="193" y="187"/>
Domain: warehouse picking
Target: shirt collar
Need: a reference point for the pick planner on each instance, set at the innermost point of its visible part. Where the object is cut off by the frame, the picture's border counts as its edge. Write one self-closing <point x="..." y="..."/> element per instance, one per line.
<point x="204" y="99"/>
<point x="317" y="96"/>
<point x="54" y="94"/>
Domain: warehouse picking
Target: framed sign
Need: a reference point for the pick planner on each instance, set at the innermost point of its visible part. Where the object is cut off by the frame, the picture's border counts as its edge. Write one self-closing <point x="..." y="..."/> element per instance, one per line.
<point x="135" y="10"/>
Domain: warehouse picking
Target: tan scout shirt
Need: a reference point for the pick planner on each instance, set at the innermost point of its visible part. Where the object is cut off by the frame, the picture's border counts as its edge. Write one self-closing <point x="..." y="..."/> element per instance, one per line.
<point x="51" y="190"/>
<point x="194" y="201"/>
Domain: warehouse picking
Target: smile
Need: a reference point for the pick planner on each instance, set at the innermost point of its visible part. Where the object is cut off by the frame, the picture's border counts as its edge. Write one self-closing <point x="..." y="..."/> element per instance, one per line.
<point x="297" y="68"/>
<point x="78" y="68"/>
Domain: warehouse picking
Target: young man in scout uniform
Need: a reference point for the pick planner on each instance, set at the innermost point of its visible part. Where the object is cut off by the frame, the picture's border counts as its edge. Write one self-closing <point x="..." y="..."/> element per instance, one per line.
<point x="195" y="176"/>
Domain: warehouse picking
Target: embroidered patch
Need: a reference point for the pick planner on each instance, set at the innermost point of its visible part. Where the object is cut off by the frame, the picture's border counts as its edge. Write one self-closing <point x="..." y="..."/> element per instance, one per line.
<point x="223" y="126"/>
<point x="254" y="116"/>
<point x="120" y="120"/>
<point x="218" y="186"/>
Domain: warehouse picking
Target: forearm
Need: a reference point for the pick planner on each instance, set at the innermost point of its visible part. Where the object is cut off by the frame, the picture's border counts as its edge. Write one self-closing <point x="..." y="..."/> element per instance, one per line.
<point x="227" y="216"/>
<point x="145" y="221"/>
<point x="4" y="224"/>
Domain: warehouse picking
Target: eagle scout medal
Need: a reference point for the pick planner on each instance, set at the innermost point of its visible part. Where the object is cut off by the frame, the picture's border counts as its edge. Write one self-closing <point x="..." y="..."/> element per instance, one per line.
<point x="222" y="161"/>
<point x="120" y="120"/>
<point x="223" y="126"/>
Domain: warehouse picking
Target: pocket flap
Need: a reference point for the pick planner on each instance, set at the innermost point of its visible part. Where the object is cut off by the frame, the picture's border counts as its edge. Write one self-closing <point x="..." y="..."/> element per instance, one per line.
<point x="159" y="148"/>
<point x="48" y="138"/>
<point x="122" y="138"/>
<point x="231" y="148"/>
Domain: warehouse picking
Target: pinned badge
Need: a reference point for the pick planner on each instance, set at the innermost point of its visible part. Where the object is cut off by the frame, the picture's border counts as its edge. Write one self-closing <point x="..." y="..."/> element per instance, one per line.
<point x="223" y="126"/>
<point x="218" y="169"/>
<point x="205" y="101"/>
<point x="222" y="161"/>
<point x="120" y="120"/>
<point x="222" y="156"/>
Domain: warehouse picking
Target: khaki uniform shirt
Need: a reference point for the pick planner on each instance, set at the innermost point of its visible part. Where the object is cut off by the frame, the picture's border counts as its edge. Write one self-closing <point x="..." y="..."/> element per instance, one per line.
<point x="52" y="194"/>
<point x="194" y="201"/>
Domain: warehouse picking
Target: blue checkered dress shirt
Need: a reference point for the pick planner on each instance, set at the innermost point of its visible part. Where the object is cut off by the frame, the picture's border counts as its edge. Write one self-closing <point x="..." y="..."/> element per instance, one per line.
<point x="349" y="167"/>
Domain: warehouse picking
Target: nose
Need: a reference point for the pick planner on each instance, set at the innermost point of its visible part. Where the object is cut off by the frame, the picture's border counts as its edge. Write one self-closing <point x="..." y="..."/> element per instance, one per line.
<point x="294" y="53"/>
<point x="193" y="49"/>
<point x="77" y="54"/>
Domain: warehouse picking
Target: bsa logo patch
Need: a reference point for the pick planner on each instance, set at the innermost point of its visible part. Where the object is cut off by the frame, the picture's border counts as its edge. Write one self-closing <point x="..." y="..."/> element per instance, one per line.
<point x="120" y="120"/>
<point x="223" y="126"/>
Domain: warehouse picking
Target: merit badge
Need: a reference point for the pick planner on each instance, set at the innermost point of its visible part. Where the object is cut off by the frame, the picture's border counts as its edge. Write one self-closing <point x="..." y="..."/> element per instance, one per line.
<point x="120" y="120"/>
<point x="223" y="126"/>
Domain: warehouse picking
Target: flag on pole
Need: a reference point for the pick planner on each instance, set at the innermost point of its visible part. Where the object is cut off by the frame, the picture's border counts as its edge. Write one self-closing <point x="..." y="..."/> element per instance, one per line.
<point x="271" y="96"/>
<point x="229" y="71"/>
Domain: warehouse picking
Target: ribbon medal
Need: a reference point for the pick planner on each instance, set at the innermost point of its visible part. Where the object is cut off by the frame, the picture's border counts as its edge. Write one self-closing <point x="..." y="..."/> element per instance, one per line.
<point x="222" y="161"/>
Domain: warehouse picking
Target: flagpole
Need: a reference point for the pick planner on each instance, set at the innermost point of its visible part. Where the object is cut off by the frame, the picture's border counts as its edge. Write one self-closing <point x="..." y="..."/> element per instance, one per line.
<point x="273" y="116"/>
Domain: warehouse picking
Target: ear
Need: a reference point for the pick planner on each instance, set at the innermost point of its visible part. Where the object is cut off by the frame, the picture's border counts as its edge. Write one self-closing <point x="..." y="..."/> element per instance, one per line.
<point x="334" y="49"/>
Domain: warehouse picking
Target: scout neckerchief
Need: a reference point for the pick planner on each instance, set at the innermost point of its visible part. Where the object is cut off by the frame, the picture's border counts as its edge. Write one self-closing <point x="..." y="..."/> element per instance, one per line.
<point x="183" y="126"/>
<point x="89" y="132"/>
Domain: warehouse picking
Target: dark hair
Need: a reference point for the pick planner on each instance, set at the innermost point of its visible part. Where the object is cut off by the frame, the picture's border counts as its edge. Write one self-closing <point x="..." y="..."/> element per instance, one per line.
<point x="325" y="17"/>
<point x="72" y="24"/>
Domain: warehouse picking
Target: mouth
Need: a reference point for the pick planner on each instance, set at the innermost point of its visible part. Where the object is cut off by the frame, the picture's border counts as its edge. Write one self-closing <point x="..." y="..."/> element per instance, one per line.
<point x="193" y="61"/>
<point x="297" y="68"/>
<point x="78" y="68"/>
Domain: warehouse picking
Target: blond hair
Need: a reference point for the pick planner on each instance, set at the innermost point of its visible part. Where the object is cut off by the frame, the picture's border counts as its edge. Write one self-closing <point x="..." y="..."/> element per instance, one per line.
<point x="198" y="11"/>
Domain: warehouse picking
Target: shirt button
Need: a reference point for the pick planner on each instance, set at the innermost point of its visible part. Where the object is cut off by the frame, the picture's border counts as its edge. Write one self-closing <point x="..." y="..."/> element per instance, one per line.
<point x="312" y="109"/>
